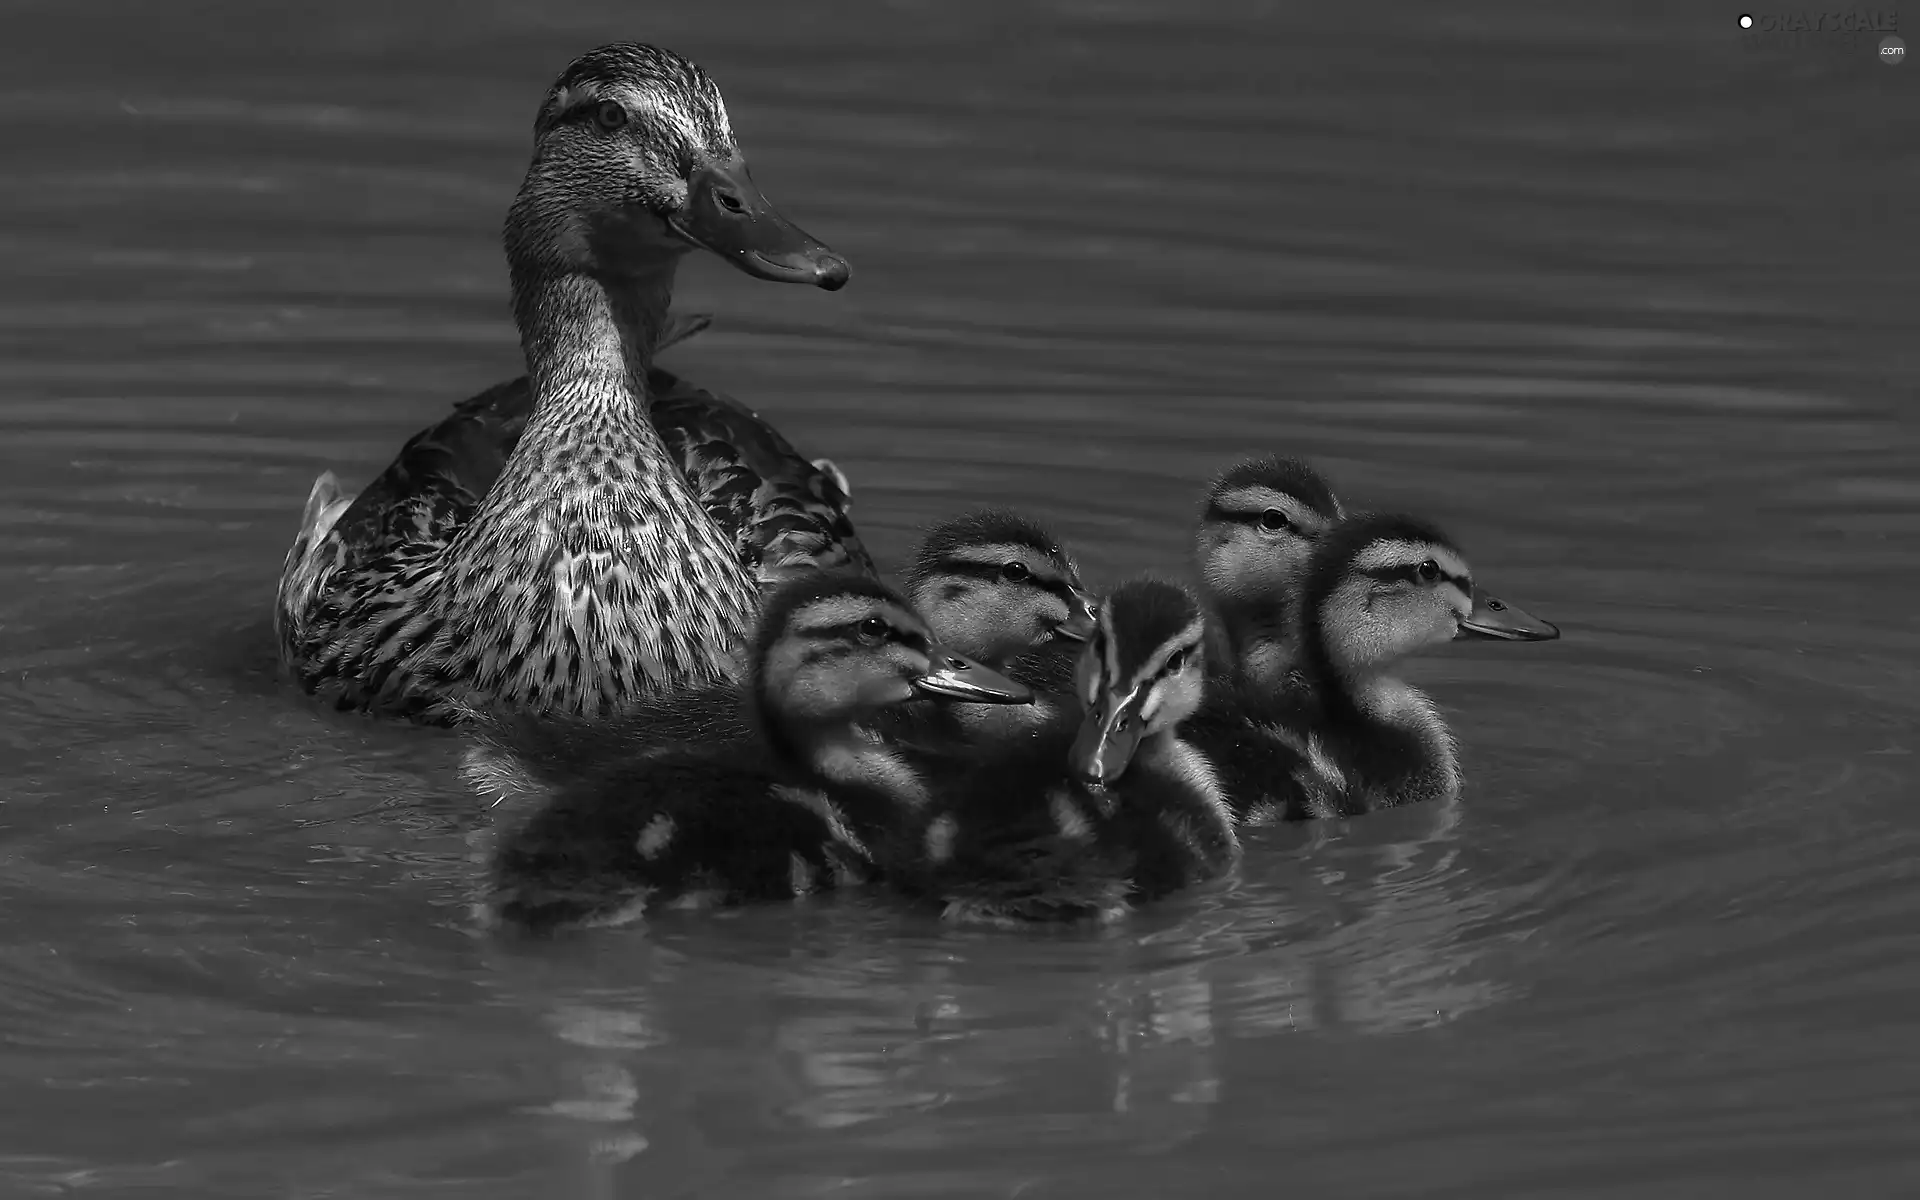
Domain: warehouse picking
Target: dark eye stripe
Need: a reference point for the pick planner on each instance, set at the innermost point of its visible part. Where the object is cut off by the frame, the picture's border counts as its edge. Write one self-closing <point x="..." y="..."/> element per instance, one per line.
<point x="990" y="573"/>
<point x="1242" y="517"/>
<point x="850" y="630"/>
<point x="1411" y="574"/>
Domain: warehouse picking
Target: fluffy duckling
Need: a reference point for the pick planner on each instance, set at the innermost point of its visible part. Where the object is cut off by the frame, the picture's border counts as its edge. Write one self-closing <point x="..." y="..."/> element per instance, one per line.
<point x="1257" y="530"/>
<point x="1342" y="735"/>
<point x="1111" y="808"/>
<point x="997" y="587"/>
<point x="800" y="806"/>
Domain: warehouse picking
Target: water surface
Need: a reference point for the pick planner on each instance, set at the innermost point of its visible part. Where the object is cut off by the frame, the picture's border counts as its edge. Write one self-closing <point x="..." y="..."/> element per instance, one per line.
<point x="1630" y="310"/>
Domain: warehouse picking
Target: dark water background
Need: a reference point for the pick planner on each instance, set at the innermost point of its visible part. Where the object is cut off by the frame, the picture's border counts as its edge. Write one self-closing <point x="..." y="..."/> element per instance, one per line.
<point x="1630" y="310"/>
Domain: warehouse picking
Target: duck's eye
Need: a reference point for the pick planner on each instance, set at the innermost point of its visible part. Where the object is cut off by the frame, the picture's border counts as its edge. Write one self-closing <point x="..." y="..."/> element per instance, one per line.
<point x="1178" y="658"/>
<point x="873" y="631"/>
<point x="1427" y="571"/>
<point x="1273" y="520"/>
<point x="609" y="116"/>
<point x="1015" y="572"/>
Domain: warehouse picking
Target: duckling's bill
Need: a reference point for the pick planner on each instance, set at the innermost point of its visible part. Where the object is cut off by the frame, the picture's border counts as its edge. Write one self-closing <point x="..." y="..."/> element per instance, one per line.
<point x="726" y="214"/>
<point x="1083" y="613"/>
<point x="951" y="676"/>
<point x="1496" y="619"/>
<point x="1107" y="739"/>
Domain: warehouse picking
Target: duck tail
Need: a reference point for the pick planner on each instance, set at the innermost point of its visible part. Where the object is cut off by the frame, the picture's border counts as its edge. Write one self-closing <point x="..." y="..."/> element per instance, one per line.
<point x="827" y="467"/>
<point x="308" y="559"/>
<point x="324" y="506"/>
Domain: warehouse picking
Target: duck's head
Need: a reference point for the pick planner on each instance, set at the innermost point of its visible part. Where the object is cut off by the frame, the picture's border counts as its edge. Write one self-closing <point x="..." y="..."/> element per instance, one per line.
<point x="1143" y="673"/>
<point x="831" y="648"/>
<point x="993" y="584"/>
<point x="1383" y="586"/>
<point x="634" y="164"/>
<point x="1258" y="529"/>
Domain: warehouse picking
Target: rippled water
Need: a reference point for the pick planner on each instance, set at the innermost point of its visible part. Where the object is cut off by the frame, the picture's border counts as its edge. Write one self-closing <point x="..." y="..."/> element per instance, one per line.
<point x="1631" y="310"/>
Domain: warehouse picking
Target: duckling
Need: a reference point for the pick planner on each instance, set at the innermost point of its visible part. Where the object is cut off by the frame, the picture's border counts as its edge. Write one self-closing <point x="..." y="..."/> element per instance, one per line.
<point x="1111" y="809"/>
<point x="996" y="586"/>
<point x="562" y="562"/>
<point x="1256" y="533"/>
<point x="1342" y="735"/>
<point x="804" y="804"/>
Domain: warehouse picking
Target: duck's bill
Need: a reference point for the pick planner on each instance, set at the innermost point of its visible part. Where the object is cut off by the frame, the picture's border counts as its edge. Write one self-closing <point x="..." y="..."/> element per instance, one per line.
<point x="1494" y="618"/>
<point x="726" y="214"/>
<point x="1081" y="618"/>
<point x="953" y="676"/>
<point x="1105" y="744"/>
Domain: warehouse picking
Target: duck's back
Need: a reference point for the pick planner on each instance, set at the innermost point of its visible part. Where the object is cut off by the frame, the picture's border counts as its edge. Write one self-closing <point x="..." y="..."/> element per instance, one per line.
<point x="726" y="824"/>
<point x="785" y="514"/>
<point x="1267" y="769"/>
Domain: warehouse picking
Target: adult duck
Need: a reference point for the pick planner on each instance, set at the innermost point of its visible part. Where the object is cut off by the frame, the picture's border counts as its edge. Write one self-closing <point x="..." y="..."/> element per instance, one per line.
<point x="559" y="562"/>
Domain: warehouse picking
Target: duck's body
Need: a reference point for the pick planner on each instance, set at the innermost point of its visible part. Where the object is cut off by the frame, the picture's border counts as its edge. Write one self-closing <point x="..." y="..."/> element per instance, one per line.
<point x="550" y="555"/>
<point x="1340" y="734"/>
<point x="784" y="512"/>
<point x="801" y="804"/>
<point x="691" y="829"/>
<point x="1096" y="814"/>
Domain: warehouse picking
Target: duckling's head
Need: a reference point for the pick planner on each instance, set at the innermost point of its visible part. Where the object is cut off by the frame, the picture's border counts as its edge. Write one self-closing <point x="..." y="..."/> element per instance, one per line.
<point x="1258" y="529"/>
<point x="634" y="164"/>
<point x="1142" y="674"/>
<point x="832" y="647"/>
<point x="1383" y="586"/>
<point x="993" y="584"/>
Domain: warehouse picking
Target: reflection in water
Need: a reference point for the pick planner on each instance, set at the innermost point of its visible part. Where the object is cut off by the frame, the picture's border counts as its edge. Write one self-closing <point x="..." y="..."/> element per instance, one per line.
<point x="889" y="1034"/>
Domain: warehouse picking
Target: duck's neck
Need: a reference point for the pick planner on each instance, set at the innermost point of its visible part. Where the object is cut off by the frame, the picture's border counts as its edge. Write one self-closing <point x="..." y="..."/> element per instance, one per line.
<point x="582" y="329"/>
<point x="589" y="576"/>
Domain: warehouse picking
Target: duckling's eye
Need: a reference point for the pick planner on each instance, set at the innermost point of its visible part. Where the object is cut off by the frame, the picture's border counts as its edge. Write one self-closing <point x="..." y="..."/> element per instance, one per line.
<point x="1427" y="571"/>
<point x="1178" y="658"/>
<point x="609" y="115"/>
<point x="1273" y="520"/>
<point x="1015" y="572"/>
<point x="873" y="631"/>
